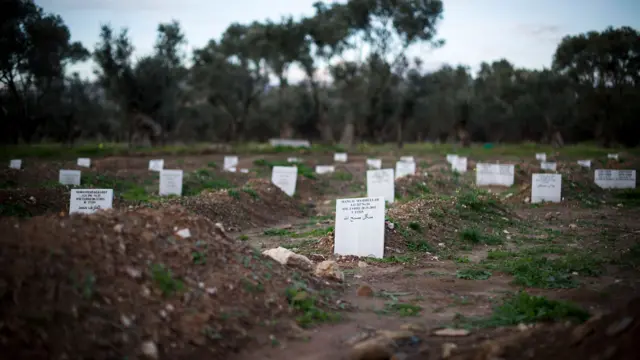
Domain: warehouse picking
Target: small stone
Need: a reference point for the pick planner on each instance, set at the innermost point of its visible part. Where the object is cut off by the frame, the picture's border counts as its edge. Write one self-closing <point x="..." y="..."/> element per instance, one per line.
<point x="378" y="348"/>
<point x="212" y="290"/>
<point x="184" y="233"/>
<point x="573" y="226"/>
<point x="451" y="332"/>
<point x="329" y="269"/>
<point x="619" y="326"/>
<point x="526" y="200"/>
<point x="133" y="272"/>
<point x="364" y="290"/>
<point x="126" y="322"/>
<point x="150" y="350"/>
<point x="523" y="327"/>
<point x="118" y="228"/>
<point x="414" y="327"/>
<point x="169" y="308"/>
<point x="447" y="349"/>
<point x="396" y="335"/>
<point x="362" y="264"/>
<point x="390" y="225"/>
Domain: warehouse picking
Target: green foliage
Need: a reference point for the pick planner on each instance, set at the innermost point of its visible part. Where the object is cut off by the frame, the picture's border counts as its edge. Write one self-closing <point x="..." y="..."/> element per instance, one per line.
<point x="308" y="305"/>
<point x="473" y="274"/>
<point x="476" y="236"/>
<point x="303" y="169"/>
<point x="165" y="280"/>
<point x="203" y="179"/>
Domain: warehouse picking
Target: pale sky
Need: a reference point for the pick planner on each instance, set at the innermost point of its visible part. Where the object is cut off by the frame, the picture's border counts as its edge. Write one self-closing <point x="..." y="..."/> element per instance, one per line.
<point x="525" y="32"/>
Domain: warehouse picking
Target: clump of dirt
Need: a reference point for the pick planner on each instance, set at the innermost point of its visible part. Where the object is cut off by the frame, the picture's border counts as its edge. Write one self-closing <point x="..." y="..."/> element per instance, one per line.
<point x="258" y="203"/>
<point x="32" y="202"/>
<point x="117" y="284"/>
<point x="612" y="336"/>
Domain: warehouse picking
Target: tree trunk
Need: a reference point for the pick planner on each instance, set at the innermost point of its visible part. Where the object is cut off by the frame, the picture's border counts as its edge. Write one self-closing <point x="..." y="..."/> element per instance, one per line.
<point x="348" y="132"/>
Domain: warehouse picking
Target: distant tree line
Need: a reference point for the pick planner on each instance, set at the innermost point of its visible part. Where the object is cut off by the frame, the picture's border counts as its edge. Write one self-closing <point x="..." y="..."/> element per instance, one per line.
<point x="590" y="92"/>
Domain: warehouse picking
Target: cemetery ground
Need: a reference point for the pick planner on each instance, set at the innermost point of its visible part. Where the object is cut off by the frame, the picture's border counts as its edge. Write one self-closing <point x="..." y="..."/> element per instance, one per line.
<point x="503" y="277"/>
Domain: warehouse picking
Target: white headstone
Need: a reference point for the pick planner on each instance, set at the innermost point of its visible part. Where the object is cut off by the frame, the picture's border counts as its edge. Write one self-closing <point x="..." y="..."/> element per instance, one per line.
<point x="541" y="156"/>
<point x="494" y="174"/>
<point x="615" y="179"/>
<point x="285" y="178"/>
<point x="340" y="157"/>
<point x="156" y="165"/>
<point x="293" y="160"/>
<point x="381" y="183"/>
<point x="374" y="163"/>
<point x="325" y="169"/>
<point x="359" y="227"/>
<point x="407" y="158"/>
<point x="546" y="187"/>
<point x="69" y="177"/>
<point x="451" y="158"/>
<point x="244" y="171"/>
<point x="88" y="201"/>
<point x="84" y="162"/>
<point x="459" y="164"/>
<point x="15" y="164"/>
<point x="230" y="163"/>
<point x="171" y="182"/>
<point x="545" y="165"/>
<point x="612" y="156"/>
<point x="290" y="142"/>
<point x="584" y="163"/>
<point x="405" y="168"/>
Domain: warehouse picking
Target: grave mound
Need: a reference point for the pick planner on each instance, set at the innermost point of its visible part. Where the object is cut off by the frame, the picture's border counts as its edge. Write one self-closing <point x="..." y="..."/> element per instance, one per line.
<point x="612" y="336"/>
<point x="32" y="202"/>
<point x="257" y="203"/>
<point x="118" y="284"/>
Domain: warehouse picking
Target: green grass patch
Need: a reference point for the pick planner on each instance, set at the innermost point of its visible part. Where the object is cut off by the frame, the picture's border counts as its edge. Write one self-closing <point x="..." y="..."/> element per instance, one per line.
<point x="342" y="176"/>
<point x="308" y="307"/>
<point x="303" y="170"/>
<point x="165" y="280"/>
<point x="476" y="236"/>
<point x="203" y="179"/>
<point x="473" y="274"/>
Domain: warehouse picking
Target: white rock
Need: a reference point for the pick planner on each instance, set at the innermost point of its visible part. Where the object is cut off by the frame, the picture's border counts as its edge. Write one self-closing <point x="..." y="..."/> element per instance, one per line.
<point x="184" y="233"/>
<point x="329" y="269"/>
<point x="289" y="258"/>
<point x="150" y="350"/>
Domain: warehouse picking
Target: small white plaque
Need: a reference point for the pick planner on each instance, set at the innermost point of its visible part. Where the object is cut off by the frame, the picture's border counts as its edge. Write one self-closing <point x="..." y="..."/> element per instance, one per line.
<point x="359" y="227"/>
<point x="546" y="187"/>
<point x="381" y="183"/>
<point x="615" y="179"/>
<point x="340" y="157"/>
<point x="244" y="171"/>
<point x="612" y="156"/>
<point x="405" y="168"/>
<point x="584" y="163"/>
<point x="541" y="156"/>
<point x="545" y="165"/>
<point x="156" y="165"/>
<point x="325" y="169"/>
<point x="293" y="160"/>
<point x="171" y="182"/>
<point x="84" y="162"/>
<point x="15" y="164"/>
<point x="451" y="158"/>
<point x="374" y="163"/>
<point x="69" y="177"/>
<point x="285" y="178"/>
<point x="494" y="174"/>
<point x="230" y="163"/>
<point x="459" y="164"/>
<point x="407" y="158"/>
<point x="88" y="201"/>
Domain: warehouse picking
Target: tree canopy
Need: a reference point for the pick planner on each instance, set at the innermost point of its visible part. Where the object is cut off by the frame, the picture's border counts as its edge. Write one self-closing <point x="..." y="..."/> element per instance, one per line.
<point x="237" y="88"/>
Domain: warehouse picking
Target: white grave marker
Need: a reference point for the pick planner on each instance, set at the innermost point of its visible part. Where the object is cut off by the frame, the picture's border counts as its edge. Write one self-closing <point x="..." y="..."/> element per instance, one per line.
<point x="374" y="163"/>
<point x="612" y="156"/>
<point x="88" y="201"/>
<point x="359" y="227"/>
<point x="15" y="164"/>
<point x="380" y="183"/>
<point x="615" y="179"/>
<point x="459" y="164"/>
<point x="285" y="178"/>
<point x="290" y="142"/>
<point x="156" y="165"/>
<point x="545" y="165"/>
<point x="244" y="171"/>
<point x="451" y="158"/>
<point x="84" y="162"/>
<point x="541" y="157"/>
<point x="407" y="158"/>
<point x="340" y="157"/>
<point x="69" y="177"/>
<point x="546" y="187"/>
<point x="171" y="182"/>
<point x="494" y="174"/>
<point x="405" y="168"/>
<point x="293" y="160"/>
<point x="325" y="169"/>
<point x="584" y="163"/>
<point x="230" y="163"/>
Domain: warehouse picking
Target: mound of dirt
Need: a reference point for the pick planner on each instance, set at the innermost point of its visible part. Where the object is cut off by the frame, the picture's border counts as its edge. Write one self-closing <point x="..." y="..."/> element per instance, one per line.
<point x="258" y="203"/>
<point x="120" y="284"/>
<point x="32" y="202"/>
<point x="33" y="174"/>
<point x="612" y="336"/>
